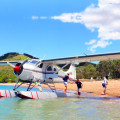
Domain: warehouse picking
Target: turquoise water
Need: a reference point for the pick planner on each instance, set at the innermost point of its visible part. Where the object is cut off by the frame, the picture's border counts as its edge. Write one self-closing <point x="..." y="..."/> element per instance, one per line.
<point x="84" y="108"/>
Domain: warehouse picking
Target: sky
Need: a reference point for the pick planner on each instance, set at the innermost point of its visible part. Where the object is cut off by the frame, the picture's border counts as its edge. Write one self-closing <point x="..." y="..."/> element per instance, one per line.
<point x="59" y="28"/>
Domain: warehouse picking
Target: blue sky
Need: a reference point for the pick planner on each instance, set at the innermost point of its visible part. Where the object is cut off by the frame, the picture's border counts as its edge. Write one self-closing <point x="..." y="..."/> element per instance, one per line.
<point x="59" y="28"/>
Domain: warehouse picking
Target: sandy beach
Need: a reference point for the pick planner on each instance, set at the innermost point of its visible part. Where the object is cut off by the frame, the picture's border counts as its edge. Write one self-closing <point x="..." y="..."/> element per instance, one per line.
<point x="93" y="87"/>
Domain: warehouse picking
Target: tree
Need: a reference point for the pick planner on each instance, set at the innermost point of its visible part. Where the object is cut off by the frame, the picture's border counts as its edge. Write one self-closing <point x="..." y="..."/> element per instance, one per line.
<point x="79" y="72"/>
<point x="89" y="71"/>
<point x="116" y="69"/>
<point x="104" y="68"/>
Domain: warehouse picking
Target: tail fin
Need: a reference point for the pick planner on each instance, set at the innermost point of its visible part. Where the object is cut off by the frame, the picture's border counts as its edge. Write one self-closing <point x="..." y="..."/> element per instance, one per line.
<point x="72" y="71"/>
<point x="61" y="73"/>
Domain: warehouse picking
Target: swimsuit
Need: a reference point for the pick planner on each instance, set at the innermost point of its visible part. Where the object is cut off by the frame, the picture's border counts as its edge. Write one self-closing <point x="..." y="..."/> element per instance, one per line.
<point x="65" y="80"/>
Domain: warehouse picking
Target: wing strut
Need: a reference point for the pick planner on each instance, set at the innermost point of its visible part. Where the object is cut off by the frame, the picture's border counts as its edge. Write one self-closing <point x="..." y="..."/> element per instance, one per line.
<point x="39" y="86"/>
<point x="51" y="85"/>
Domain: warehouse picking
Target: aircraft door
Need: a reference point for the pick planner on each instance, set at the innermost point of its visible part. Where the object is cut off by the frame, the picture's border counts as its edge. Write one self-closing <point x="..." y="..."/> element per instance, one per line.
<point x="50" y="70"/>
<point x="40" y="73"/>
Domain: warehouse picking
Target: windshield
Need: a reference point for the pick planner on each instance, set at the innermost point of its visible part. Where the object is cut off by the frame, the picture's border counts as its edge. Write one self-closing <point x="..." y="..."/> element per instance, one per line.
<point x="34" y="62"/>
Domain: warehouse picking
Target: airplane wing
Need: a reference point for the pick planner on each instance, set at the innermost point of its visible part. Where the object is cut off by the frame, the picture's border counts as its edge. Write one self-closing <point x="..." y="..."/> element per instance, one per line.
<point x="85" y="58"/>
<point x="75" y="59"/>
<point x="4" y="63"/>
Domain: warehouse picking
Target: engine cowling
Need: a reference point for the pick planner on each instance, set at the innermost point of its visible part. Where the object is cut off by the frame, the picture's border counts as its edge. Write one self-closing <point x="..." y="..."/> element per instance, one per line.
<point x="18" y="69"/>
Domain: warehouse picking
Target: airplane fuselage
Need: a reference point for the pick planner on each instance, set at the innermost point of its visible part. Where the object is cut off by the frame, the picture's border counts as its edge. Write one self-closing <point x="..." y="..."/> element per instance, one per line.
<point x="37" y="71"/>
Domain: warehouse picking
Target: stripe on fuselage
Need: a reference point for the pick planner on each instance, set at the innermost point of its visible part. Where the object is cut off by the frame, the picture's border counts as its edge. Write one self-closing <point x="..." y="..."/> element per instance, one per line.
<point x="40" y="71"/>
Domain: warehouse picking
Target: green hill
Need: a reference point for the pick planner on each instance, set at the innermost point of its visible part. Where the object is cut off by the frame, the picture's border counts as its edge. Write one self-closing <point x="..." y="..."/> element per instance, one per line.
<point x="8" y="55"/>
<point x="13" y="56"/>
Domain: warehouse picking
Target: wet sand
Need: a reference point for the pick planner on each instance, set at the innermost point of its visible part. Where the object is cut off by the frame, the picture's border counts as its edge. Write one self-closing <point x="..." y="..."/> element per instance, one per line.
<point x="93" y="87"/>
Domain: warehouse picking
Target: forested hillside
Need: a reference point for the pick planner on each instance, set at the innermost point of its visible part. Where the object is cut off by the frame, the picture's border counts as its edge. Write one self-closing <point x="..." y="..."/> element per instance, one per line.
<point x="103" y="68"/>
<point x="12" y="56"/>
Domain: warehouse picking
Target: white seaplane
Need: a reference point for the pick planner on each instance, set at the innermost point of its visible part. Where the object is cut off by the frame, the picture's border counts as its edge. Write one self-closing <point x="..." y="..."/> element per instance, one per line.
<point x="46" y="71"/>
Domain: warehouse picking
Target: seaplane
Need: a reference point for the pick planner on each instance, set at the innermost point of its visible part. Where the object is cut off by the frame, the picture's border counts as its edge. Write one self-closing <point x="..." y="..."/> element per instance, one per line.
<point x="36" y="72"/>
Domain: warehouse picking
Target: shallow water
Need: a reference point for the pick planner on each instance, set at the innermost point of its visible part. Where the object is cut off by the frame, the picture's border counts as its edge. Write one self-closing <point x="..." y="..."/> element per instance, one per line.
<point x="84" y="108"/>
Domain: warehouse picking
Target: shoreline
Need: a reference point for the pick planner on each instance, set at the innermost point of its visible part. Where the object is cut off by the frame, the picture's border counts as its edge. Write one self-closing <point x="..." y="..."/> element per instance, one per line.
<point x="92" y="87"/>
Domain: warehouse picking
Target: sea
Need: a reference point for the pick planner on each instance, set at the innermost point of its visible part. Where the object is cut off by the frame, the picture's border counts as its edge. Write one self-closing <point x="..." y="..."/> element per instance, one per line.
<point x="86" y="107"/>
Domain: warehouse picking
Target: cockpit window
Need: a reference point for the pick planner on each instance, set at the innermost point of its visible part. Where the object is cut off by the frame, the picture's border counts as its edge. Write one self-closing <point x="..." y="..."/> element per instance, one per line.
<point x="41" y="65"/>
<point x="34" y="62"/>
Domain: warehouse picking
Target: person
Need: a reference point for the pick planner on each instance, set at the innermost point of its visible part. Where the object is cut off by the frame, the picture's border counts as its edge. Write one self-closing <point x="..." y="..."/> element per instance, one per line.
<point x="65" y="79"/>
<point x="79" y="86"/>
<point x="104" y="84"/>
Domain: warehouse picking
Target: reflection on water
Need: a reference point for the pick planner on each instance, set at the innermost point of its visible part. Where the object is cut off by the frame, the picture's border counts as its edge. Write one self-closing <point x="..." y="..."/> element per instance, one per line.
<point x="84" y="108"/>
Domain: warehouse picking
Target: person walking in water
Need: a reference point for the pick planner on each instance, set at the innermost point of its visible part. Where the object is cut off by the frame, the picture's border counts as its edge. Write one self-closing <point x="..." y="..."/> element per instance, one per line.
<point x="104" y="84"/>
<point x="79" y="86"/>
<point x="65" y="79"/>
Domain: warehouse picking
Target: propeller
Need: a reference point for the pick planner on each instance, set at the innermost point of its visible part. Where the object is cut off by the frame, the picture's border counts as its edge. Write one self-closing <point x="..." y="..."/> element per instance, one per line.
<point x="18" y="68"/>
<point x="24" y="62"/>
<point x="10" y="64"/>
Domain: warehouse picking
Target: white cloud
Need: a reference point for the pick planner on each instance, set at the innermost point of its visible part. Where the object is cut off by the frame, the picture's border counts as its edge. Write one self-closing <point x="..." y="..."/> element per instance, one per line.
<point x="35" y="17"/>
<point x="43" y="17"/>
<point x="90" y="42"/>
<point x="100" y="43"/>
<point x="105" y="17"/>
<point x="103" y="3"/>
<point x="68" y="17"/>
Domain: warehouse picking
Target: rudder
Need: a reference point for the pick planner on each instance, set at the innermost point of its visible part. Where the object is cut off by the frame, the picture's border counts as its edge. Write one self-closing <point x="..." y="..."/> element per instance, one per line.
<point x="72" y="71"/>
